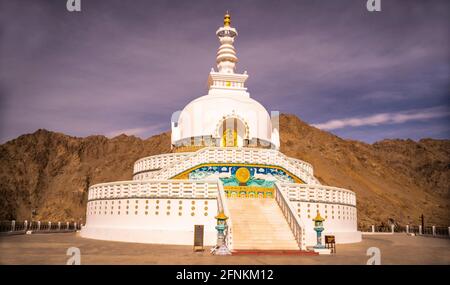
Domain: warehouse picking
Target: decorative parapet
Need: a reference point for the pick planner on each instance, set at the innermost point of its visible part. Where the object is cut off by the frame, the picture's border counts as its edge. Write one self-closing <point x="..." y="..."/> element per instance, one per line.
<point x="156" y="162"/>
<point x="302" y="164"/>
<point x="301" y="169"/>
<point x="154" y="188"/>
<point x="318" y="193"/>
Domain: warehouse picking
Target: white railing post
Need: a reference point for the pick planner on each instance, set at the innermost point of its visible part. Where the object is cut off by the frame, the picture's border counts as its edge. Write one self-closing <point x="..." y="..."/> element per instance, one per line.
<point x="49" y="226"/>
<point x="448" y="231"/>
<point x="373" y="228"/>
<point x="67" y="225"/>
<point x="420" y="230"/>
<point x="59" y="226"/>
<point x="407" y="229"/>
<point x="25" y="225"/>
<point x="434" y="230"/>
<point x="39" y="226"/>
<point x="13" y="225"/>
<point x="293" y="220"/>
<point x="392" y="228"/>
<point x="75" y="226"/>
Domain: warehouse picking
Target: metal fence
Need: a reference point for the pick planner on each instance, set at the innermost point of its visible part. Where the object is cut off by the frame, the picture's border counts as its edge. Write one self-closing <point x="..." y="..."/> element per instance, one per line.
<point x="14" y="227"/>
<point x="434" y="231"/>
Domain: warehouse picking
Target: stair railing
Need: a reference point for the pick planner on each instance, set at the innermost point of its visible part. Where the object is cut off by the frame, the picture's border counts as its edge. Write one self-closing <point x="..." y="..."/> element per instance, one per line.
<point x="293" y="220"/>
<point x="223" y="207"/>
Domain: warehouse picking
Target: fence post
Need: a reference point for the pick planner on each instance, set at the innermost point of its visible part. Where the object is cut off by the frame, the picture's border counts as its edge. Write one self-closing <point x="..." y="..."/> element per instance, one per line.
<point x="75" y="226"/>
<point x="448" y="231"/>
<point x="67" y="226"/>
<point x="420" y="230"/>
<point x="25" y="225"/>
<point x="59" y="226"/>
<point x="49" y="226"/>
<point x="39" y="226"/>
<point x="373" y="228"/>
<point x="392" y="228"/>
<point x="13" y="225"/>
<point x="434" y="230"/>
<point x="407" y="229"/>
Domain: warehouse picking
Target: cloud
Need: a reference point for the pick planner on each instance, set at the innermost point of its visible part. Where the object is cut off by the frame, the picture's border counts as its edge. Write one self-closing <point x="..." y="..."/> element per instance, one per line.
<point x="125" y="67"/>
<point x="385" y="118"/>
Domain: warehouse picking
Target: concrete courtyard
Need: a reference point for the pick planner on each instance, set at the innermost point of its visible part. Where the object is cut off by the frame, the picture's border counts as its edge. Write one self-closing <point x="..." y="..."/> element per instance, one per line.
<point x="52" y="248"/>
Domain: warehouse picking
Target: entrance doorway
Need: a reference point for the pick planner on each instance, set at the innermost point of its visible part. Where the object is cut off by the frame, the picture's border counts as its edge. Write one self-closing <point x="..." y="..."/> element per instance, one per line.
<point x="233" y="133"/>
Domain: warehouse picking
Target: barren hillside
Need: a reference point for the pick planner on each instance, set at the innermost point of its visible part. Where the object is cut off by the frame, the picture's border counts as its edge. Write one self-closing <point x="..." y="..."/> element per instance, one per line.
<point x="397" y="179"/>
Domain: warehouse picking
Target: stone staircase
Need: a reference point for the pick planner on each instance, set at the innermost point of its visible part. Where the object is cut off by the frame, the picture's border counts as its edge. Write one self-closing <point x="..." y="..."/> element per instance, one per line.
<point x="259" y="224"/>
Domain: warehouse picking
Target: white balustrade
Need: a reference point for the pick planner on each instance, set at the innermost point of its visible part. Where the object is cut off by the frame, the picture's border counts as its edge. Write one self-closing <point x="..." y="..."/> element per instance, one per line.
<point x="158" y="161"/>
<point x="318" y="193"/>
<point x="154" y="188"/>
<point x="302" y="164"/>
<point x="300" y="169"/>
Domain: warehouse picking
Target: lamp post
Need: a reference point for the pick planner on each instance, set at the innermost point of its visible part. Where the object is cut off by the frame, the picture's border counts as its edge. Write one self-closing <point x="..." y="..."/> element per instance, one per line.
<point x="33" y="213"/>
<point x="221" y="248"/>
<point x="422" y="220"/>
<point x="318" y="227"/>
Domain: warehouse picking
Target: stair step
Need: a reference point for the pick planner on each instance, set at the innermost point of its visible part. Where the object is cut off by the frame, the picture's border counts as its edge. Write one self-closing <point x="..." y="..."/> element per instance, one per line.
<point x="260" y="224"/>
<point x="273" y="252"/>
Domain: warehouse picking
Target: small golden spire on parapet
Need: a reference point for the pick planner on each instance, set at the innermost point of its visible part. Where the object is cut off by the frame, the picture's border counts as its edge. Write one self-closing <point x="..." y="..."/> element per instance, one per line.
<point x="227" y="19"/>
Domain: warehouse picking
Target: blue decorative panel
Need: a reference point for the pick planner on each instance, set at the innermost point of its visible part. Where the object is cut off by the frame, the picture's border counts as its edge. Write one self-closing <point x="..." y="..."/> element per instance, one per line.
<point x="205" y="171"/>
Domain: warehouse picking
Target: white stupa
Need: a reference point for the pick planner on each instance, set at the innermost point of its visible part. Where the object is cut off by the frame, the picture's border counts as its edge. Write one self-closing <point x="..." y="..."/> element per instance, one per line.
<point x="227" y="106"/>
<point x="225" y="160"/>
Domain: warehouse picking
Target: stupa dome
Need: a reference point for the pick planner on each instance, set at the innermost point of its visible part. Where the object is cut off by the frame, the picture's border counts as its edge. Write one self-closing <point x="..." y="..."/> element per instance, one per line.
<point x="210" y="116"/>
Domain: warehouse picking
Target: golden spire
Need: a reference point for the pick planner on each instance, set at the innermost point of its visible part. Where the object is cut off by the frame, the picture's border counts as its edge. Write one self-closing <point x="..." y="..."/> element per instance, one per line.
<point x="318" y="218"/>
<point x="227" y="19"/>
<point x="221" y="216"/>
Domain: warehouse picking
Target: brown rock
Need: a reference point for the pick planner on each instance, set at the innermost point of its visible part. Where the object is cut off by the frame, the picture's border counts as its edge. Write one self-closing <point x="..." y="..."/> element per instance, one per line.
<point x="393" y="179"/>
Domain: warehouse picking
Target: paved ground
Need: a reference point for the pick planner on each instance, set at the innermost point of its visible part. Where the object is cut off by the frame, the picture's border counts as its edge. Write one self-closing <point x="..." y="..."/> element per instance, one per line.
<point x="51" y="249"/>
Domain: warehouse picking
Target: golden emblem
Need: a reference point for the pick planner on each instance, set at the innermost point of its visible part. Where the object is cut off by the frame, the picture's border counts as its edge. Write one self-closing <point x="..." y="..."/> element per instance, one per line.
<point x="242" y="175"/>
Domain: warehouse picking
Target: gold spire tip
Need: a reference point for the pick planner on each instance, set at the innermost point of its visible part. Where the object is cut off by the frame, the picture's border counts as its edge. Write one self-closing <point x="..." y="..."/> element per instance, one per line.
<point x="227" y="19"/>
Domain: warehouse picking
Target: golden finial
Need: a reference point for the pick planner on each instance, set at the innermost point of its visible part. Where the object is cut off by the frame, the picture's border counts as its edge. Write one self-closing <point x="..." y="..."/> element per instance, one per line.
<point x="221" y="216"/>
<point x="227" y="19"/>
<point x="318" y="218"/>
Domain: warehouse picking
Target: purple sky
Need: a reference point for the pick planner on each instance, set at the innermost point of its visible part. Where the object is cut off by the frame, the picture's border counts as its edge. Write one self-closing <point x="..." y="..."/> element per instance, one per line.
<point x="125" y="66"/>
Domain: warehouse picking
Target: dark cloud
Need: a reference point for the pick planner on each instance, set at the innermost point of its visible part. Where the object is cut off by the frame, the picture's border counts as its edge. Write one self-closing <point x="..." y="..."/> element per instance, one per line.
<point x="127" y="65"/>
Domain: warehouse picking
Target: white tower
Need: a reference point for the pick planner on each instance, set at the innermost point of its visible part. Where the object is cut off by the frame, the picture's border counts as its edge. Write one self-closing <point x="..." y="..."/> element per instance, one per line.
<point x="225" y="79"/>
<point x="226" y="116"/>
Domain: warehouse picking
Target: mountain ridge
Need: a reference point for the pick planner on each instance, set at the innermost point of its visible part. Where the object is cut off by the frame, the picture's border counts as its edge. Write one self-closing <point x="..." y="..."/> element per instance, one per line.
<point x="393" y="179"/>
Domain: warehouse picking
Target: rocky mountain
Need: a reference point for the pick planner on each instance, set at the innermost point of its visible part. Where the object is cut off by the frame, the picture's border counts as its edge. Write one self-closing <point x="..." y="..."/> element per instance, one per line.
<point x="393" y="179"/>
